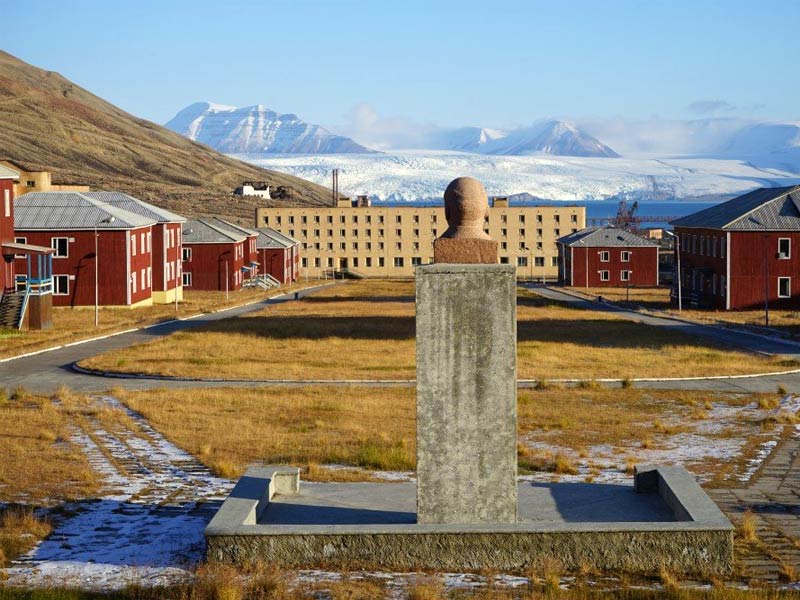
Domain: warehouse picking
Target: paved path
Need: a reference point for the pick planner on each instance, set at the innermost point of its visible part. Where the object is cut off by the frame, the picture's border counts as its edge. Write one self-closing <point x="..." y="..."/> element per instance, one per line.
<point x="773" y="496"/>
<point x="47" y="371"/>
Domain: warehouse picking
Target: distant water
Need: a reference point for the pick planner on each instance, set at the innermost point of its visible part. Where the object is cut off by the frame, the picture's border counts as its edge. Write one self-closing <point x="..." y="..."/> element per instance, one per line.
<point x="653" y="213"/>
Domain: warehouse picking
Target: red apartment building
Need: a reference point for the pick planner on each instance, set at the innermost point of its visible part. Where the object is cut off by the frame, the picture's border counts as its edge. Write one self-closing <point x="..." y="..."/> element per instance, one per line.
<point x="607" y="257"/>
<point x="66" y="223"/>
<point x="278" y="254"/>
<point x="166" y="243"/>
<point x="250" y="265"/>
<point x="740" y="254"/>
<point x="213" y="256"/>
<point x="7" y="178"/>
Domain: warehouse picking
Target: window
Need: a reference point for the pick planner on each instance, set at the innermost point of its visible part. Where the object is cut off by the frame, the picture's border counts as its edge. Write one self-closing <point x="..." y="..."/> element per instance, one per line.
<point x="557" y="232"/>
<point x="538" y="218"/>
<point x="330" y="232"/>
<point x="722" y="248"/>
<point x="416" y="220"/>
<point x="330" y="262"/>
<point x="20" y="240"/>
<point x="398" y="246"/>
<point x="61" y="247"/>
<point x="557" y="218"/>
<point x="30" y="183"/>
<point x="415" y="246"/>
<point x="702" y="244"/>
<point x="133" y="244"/>
<point x="187" y="255"/>
<point x="398" y="219"/>
<point x="380" y="232"/>
<point x="522" y="261"/>
<point x="603" y="275"/>
<point x="625" y="256"/>
<point x="355" y="262"/>
<point x="784" y="248"/>
<point x="522" y="246"/>
<point x="143" y="276"/>
<point x="342" y="219"/>
<point x="503" y="245"/>
<point x="521" y="233"/>
<point x="369" y="245"/>
<point x="304" y="219"/>
<point x="368" y="261"/>
<point x="61" y="285"/>
<point x="538" y="233"/>
<point x="381" y="261"/>
<point x="624" y="275"/>
<point x="604" y="256"/>
<point x="573" y="218"/>
<point x="150" y="276"/>
<point x="784" y="287"/>
<point x="266" y="220"/>
<point x="291" y="219"/>
<point x="133" y="282"/>
<point x="416" y="260"/>
<point x="8" y="203"/>
<point x="398" y="261"/>
<point x="342" y="245"/>
<point x="21" y="282"/>
<point x="316" y="262"/>
<point x="304" y="262"/>
<point x="554" y="261"/>
<point x="538" y="261"/>
<point x="416" y="233"/>
<point x="722" y="289"/>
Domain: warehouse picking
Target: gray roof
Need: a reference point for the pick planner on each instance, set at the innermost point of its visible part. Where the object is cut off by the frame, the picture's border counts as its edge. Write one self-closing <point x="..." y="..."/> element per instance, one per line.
<point x="204" y="231"/>
<point x="597" y="237"/>
<point x="6" y="173"/>
<point x="71" y="210"/>
<point x="774" y="209"/>
<point x="231" y="226"/>
<point x="136" y="206"/>
<point x="269" y="238"/>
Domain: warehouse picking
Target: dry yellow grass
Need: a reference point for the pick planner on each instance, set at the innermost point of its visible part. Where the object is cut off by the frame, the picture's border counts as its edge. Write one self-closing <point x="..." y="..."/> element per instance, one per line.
<point x="39" y="464"/>
<point x="20" y="530"/>
<point x="73" y="324"/>
<point x="648" y="297"/>
<point x="365" y="330"/>
<point x="374" y="428"/>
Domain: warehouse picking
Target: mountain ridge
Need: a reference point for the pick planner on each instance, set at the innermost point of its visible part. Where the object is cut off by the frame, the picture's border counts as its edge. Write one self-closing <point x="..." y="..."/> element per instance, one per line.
<point x="53" y="123"/>
<point x="256" y="129"/>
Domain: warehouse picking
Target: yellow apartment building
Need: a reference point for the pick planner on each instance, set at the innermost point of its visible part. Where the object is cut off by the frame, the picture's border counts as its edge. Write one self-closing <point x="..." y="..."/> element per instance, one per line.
<point x="389" y="241"/>
<point x="33" y="180"/>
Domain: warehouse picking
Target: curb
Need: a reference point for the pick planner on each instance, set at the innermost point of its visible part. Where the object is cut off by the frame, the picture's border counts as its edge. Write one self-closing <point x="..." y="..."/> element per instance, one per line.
<point x="159" y="324"/>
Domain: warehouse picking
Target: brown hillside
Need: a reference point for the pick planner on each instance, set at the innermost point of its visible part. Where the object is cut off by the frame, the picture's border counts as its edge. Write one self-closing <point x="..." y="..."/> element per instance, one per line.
<point x="49" y="122"/>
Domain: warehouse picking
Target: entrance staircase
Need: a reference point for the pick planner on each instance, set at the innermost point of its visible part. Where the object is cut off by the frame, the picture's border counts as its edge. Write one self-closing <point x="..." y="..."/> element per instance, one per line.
<point x="12" y="306"/>
<point x="265" y="282"/>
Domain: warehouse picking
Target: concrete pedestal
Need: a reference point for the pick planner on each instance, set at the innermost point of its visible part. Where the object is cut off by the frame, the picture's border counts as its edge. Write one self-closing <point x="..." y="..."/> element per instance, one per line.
<point x="466" y="394"/>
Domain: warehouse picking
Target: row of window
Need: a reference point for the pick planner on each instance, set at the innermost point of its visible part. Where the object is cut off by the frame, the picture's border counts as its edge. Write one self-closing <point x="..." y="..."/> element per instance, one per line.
<point x="624" y="256"/>
<point x="368" y="233"/>
<point x="278" y="219"/>
<point x="399" y="261"/>
<point x="703" y="245"/>
<point x="623" y="275"/>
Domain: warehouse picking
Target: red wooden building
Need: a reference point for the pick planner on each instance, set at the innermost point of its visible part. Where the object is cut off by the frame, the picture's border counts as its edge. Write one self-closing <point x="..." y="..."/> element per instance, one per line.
<point x="25" y="293"/>
<point x="66" y="223"/>
<point x="278" y="254"/>
<point x="607" y="257"/>
<point x="213" y="256"/>
<point x="740" y="254"/>
<point x="166" y="243"/>
<point x="250" y="266"/>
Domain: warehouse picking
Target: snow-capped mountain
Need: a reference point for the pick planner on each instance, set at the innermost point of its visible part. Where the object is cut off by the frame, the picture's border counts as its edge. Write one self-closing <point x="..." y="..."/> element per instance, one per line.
<point x="557" y="138"/>
<point x="769" y="144"/>
<point x="257" y="130"/>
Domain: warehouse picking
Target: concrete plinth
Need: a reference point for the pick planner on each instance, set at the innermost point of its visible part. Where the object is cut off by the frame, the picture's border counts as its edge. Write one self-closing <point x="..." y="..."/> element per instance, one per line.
<point x="665" y="520"/>
<point x="466" y="394"/>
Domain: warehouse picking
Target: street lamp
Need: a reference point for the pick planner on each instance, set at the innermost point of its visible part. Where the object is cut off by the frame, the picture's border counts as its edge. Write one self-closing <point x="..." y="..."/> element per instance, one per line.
<point x="531" y="265"/>
<point x="678" y="259"/>
<point x="107" y="220"/>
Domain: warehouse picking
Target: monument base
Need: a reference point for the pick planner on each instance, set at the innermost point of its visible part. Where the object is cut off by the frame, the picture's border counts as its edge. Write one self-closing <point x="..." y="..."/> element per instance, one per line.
<point x="664" y="520"/>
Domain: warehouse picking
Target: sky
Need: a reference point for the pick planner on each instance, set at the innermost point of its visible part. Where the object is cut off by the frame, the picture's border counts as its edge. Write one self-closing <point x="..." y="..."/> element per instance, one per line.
<point x="350" y="64"/>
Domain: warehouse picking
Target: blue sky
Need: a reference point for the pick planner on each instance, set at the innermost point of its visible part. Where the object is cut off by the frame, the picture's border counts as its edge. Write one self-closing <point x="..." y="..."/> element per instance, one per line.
<point x="492" y="63"/>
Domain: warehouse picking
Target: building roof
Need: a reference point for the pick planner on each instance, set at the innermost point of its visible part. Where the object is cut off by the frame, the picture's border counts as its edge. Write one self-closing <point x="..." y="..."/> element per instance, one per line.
<point x="204" y="231"/>
<point x="24" y="166"/>
<point x="71" y="210"/>
<point x="136" y="206"/>
<point x="762" y="209"/>
<point x="7" y="173"/>
<point x="598" y="237"/>
<point x="269" y="238"/>
<point x="231" y="226"/>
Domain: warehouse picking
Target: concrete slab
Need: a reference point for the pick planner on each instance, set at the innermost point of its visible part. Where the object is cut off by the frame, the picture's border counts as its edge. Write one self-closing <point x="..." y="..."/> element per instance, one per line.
<point x="665" y="519"/>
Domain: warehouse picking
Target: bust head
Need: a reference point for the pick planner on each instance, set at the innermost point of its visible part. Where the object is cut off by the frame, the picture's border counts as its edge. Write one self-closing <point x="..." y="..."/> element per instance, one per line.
<point x="466" y="205"/>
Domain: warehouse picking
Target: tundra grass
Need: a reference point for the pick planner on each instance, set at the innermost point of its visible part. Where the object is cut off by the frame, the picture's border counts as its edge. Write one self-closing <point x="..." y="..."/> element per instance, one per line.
<point x="366" y="330"/>
<point x="375" y="428"/>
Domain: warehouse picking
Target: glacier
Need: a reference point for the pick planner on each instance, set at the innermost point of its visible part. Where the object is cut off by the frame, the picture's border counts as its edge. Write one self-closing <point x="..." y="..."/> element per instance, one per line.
<point x="422" y="175"/>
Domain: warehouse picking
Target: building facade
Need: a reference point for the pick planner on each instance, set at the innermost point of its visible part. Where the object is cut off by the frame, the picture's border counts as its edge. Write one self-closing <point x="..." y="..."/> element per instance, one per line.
<point x="213" y="256"/>
<point x="166" y="243"/>
<point x="389" y="241"/>
<point x="279" y="255"/>
<point x="607" y="257"/>
<point x="741" y="254"/>
<point x="7" y="178"/>
<point x="65" y="222"/>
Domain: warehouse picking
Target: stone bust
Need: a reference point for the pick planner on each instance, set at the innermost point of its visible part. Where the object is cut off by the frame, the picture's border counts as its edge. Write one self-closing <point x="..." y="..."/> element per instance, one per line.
<point x="466" y="206"/>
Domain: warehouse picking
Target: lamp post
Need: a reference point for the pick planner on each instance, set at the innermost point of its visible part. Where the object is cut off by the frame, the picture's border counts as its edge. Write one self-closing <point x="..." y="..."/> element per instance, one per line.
<point x="107" y="220"/>
<point x="531" y="265"/>
<point x="678" y="261"/>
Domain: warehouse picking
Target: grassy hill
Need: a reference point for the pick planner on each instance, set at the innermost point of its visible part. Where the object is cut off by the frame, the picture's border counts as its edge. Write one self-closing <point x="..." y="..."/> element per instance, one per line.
<point x="47" y="121"/>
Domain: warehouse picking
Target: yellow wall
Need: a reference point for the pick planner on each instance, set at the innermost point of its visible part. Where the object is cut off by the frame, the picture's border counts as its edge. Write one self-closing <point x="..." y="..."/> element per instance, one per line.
<point x="39" y="181"/>
<point x="358" y="238"/>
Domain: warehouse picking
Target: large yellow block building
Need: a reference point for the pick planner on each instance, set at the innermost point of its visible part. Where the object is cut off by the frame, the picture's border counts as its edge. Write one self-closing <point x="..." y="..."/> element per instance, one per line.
<point x="389" y="241"/>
